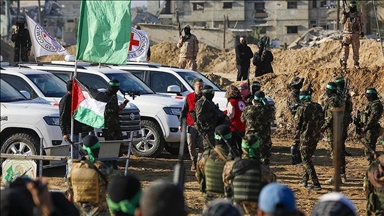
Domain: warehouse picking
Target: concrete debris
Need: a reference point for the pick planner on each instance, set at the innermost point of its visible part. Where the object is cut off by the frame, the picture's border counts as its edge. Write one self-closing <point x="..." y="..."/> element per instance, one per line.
<point x="314" y="37"/>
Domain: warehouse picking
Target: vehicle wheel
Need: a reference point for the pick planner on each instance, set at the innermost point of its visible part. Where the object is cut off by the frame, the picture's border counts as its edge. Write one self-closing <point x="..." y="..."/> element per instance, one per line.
<point x="152" y="143"/>
<point x="174" y="149"/>
<point x="20" y="143"/>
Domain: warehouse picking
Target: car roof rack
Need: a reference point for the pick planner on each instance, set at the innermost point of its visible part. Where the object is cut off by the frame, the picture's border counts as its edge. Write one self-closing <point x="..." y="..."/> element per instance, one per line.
<point x="54" y="63"/>
<point x="142" y="64"/>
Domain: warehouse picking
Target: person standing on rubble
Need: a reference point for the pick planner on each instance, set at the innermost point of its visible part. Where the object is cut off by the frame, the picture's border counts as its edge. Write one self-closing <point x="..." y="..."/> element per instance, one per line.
<point x="353" y="29"/>
<point x="243" y="59"/>
<point x="189" y="47"/>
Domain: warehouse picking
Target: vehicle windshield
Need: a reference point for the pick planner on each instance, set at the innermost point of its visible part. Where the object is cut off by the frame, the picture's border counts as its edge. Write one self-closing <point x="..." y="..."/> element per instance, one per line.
<point x="190" y="76"/>
<point x="129" y="82"/>
<point x="49" y="84"/>
<point x="8" y="93"/>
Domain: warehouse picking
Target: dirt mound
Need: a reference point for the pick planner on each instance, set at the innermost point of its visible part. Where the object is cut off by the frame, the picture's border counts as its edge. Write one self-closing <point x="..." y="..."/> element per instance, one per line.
<point x="219" y="80"/>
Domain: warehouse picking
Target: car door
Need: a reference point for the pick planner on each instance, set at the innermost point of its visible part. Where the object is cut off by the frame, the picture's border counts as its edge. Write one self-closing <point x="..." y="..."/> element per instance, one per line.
<point x="20" y="84"/>
<point x="159" y="81"/>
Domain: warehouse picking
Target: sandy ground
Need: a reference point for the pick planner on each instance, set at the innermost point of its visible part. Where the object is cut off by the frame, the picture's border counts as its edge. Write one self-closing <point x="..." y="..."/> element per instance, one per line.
<point x="150" y="169"/>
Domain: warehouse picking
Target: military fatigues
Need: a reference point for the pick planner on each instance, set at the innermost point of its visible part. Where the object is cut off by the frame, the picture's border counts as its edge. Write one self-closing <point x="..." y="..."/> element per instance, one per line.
<point x="209" y="173"/>
<point x="374" y="187"/>
<point x="257" y="120"/>
<point x="293" y="103"/>
<point x="370" y="117"/>
<point x="353" y="25"/>
<point x="76" y="181"/>
<point x="112" y="129"/>
<point x="335" y="101"/>
<point x="347" y="119"/>
<point x="189" y="48"/>
<point x="309" y="118"/>
<point x="206" y="121"/>
<point x="23" y="45"/>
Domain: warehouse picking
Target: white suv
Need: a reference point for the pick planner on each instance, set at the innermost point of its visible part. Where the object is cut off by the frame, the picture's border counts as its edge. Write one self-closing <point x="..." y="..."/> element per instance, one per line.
<point x="159" y="113"/>
<point x="164" y="79"/>
<point x="24" y="122"/>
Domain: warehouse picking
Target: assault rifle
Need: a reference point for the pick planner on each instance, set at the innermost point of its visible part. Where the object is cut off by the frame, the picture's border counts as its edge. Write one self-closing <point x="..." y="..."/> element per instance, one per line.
<point x="234" y="152"/>
<point x="344" y="3"/>
<point x="309" y="88"/>
<point x="357" y="122"/>
<point x="179" y="172"/>
<point x="178" y="23"/>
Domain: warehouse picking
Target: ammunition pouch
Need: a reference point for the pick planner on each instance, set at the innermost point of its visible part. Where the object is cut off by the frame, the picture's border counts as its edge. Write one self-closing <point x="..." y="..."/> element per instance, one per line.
<point x="363" y="118"/>
<point x="85" y="182"/>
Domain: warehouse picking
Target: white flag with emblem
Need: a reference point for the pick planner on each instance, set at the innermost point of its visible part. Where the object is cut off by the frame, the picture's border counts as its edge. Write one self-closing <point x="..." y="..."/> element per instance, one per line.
<point x="138" y="46"/>
<point x="42" y="42"/>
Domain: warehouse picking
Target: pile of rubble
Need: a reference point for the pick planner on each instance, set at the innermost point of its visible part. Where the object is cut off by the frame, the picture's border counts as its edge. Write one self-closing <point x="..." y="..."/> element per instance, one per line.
<point x="314" y="37"/>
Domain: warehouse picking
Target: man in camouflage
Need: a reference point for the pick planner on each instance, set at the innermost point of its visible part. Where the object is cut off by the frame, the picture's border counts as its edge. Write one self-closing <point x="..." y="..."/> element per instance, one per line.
<point x="89" y="191"/>
<point x="206" y="119"/>
<point x="210" y="166"/>
<point x="353" y="28"/>
<point x="244" y="178"/>
<point x="257" y="120"/>
<point x="309" y="119"/>
<point x="347" y="119"/>
<point x="22" y="42"/>
<point x="370" y="117"/>
<point x="374" y="186"/>
<point x="189" y="47"/>
<point x="334" y="101"/>
<point x="293" y="103"/>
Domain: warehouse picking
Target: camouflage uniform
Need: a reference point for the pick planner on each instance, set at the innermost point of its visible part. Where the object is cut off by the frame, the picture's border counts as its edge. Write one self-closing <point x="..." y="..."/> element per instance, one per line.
<point x="309" y="120"/>
<point x="189" y="47"/>
<point x="347" y="119"/>
<point x="353" y="26"/>
<point x="335" y="101"/>
<point x="257" y="120"/>
<point x="23" y="44"/>
<point x="112" y="129"/>
<point x="94" y="209"/>
<point x="209" y="173"/>
<point x="374" y="187"/>
<point x="370" y="117"/>
<point x="206" y="121"/>
<point x="254" y="178"/>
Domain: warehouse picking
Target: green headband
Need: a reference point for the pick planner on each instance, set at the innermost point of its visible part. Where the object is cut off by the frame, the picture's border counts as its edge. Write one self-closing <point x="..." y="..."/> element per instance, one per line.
<point x="371" y="91"/>
<point x="251" y="148"/>
<point x="304" y="97"/>
<point x="207" y="90"/>
<point x="89" y="151"/>
<point x="126" y="206"/>
<point x="263" y="100"/>
<point x="341" y="79"/>
<point x="382" y="142"/>
<point x="114" y="84"/>
<point x="256" y="84"/>
<point x="331" y="87"/>
<point x="219" y="137"/>
<point x="352" y="4"/>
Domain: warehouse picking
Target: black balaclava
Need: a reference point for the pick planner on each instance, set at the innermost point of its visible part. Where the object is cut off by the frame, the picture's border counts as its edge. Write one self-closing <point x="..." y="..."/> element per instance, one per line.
<point x="340" y="82"/>
<point x="208" y="92"/>
<point x="244" y="42"/>
<point x="260" y="97"/>
<point x="297" y="83"/>
<point x="331" y="89"/>
<point x="352" y="7"/>
<point x="371" y="94"/>
<point x="222" y="132"/>
<point x="113" y="87"/>
<point x="91" y="144"/>
<point x="187" y="30"/>
<point x="20" y="24"/>
<point x="305" y="96"/>
<point x="255" y="87"/>
<point x="124" y="193"/>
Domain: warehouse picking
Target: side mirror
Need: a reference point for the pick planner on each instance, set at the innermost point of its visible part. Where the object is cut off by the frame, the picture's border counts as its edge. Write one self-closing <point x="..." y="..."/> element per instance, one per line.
<point x="26" y="94"/>
<point x="101" y="89"/>
<point x="174" y="89"/>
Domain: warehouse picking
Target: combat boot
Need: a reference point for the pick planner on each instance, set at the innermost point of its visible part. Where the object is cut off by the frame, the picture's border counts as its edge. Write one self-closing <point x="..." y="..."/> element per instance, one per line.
<point x="343" y="178"/>
<point x="193" y="165"/>
<point x="357" y="65"/>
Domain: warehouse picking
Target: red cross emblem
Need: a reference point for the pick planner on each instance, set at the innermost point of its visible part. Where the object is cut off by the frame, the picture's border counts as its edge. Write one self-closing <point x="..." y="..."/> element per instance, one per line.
<point x="133" y="41"/>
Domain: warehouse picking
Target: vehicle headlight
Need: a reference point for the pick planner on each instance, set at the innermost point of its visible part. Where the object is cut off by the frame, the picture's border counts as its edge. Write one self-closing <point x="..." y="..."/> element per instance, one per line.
<point x="52" y="120"/>
<point x="172" y="110"/>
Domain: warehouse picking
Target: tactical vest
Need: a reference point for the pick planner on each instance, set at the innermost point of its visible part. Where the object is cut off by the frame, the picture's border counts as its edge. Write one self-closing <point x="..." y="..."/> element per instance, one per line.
<point x="214" y="175"/>
<point x="246" y="181"/>
<point x="352" y="23"/>
<point x="85" y="181"/>
<point x="368" y="111"/>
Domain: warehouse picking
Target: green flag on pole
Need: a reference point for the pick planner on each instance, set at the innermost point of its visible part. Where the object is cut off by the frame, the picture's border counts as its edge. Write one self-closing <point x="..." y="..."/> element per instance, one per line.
<point x="104" y="31"/>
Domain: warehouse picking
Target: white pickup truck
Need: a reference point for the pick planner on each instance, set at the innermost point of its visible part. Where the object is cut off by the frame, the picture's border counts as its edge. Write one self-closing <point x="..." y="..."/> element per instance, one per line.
<point x="24" y="122"/>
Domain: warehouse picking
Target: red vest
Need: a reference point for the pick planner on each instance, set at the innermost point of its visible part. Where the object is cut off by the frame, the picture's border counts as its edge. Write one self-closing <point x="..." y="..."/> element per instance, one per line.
<point x="191" y="101"/>
<point x="239" y="105"/>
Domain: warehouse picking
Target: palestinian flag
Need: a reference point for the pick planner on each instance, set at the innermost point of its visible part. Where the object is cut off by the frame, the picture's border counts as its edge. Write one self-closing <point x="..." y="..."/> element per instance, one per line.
<point x="85" y="108"/>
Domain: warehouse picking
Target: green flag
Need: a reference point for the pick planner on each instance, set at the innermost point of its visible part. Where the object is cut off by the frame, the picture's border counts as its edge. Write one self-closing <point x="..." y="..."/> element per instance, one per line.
<point x="104" y="31"/>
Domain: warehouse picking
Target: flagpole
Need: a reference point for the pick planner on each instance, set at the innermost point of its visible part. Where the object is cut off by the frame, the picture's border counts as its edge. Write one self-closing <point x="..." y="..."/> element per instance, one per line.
<point x="72" y="120"/>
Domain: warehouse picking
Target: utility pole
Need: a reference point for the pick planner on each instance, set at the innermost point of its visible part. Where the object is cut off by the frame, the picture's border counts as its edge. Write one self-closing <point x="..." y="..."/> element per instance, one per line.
<point x="18" y="10"/>
<point x="39" y="12"/>
<point x="338" y="15"/>
<point x="224" y="30"/>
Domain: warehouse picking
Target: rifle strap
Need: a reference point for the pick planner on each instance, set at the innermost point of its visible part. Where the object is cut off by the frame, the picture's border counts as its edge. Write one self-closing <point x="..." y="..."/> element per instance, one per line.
<point x="98" y="171"/>
<point x="221" y="156"/>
